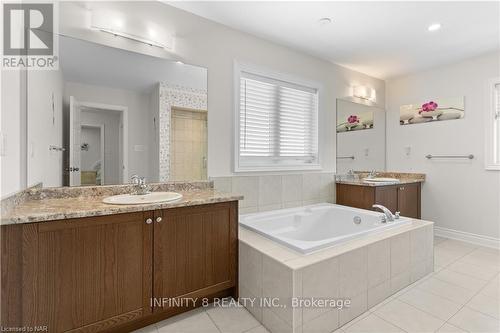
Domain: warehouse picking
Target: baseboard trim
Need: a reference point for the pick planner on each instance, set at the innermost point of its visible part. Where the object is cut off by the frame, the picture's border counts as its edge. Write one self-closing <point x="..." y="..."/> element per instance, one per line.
<point x="467" y="237"/>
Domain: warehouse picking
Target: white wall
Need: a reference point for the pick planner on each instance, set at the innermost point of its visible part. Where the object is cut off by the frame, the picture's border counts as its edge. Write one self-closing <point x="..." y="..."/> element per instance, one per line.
<point x="355" y="143"/>
<point x="138" y="118"/>
<point x="45" y="127"/>
<point x="11" y="173"/>
<point x="457" y="194"/>
<point x="214" y="46"/>
<point x="112" y="144"/>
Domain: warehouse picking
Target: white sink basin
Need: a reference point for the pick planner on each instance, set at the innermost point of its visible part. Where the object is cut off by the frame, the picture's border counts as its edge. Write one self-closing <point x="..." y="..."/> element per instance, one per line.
<point x="381" y="180"/>
<point x="134" y="199"/>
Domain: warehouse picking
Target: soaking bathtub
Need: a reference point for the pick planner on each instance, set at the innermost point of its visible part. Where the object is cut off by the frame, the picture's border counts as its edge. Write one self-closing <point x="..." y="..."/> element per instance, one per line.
<point x="311" y="228"/>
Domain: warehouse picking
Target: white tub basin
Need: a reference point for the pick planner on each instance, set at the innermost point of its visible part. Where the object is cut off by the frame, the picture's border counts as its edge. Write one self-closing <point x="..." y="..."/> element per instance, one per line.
<point x="134" y="199"/>
<point x="310" y="228"/>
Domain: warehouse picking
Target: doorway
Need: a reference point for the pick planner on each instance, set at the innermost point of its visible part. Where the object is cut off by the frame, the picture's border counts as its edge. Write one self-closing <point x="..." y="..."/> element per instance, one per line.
<point x="98" y="142"/>
<point x="92" y="155"/>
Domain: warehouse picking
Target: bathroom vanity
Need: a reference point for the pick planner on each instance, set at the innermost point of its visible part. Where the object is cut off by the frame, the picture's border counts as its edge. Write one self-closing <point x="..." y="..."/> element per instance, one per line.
<point x="403" y="196"/>
<point x="78" y="265"/>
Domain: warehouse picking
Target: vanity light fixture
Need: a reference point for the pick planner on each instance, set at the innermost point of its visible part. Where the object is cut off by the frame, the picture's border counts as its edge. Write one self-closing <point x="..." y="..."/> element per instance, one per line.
<point x="132" y="37"/>
<point x="434" y="27"/>
<point x="364" y="92"/>
<point x="116" y="25"/>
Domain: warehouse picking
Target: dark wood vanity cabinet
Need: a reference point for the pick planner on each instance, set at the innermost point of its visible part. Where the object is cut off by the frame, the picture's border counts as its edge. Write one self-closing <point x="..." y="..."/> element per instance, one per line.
<point x="195" y="251"/>
<point x="100" y="273"/>
<point x="404" y="198"/>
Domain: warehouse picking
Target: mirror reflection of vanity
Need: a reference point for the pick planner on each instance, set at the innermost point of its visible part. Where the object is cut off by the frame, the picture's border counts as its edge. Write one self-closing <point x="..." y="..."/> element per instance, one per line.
<point x="360" y="136"/>
<point x="108" y="114"/>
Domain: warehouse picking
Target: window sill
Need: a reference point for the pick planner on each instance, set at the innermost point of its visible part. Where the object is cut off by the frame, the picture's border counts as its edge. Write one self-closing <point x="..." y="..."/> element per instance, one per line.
<point x="278" y="168"/>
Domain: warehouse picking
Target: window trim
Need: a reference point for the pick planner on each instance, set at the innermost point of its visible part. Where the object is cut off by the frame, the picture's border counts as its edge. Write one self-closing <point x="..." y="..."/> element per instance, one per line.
<point x="489" y="115"/>
<point x="240" y="67"/>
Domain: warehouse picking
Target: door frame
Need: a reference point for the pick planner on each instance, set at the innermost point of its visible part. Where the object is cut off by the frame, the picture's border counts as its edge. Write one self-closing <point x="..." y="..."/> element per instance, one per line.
<point x="123" y="128"/>
<point x="102" y="137"/>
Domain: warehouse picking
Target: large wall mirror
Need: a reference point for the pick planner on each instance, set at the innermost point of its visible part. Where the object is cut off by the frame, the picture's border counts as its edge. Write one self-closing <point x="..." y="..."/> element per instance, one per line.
<point x="108" y="114"/>
<point x="360" y="137"/>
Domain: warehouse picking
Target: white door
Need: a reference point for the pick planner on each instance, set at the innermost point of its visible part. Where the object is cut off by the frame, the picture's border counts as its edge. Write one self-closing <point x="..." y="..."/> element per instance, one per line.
<point x="75" y="129"/>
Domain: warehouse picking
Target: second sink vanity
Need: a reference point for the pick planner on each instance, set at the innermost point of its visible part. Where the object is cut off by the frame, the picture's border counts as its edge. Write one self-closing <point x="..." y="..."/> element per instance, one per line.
<point x="402" y="195"/>
<point x="73" y="263"/>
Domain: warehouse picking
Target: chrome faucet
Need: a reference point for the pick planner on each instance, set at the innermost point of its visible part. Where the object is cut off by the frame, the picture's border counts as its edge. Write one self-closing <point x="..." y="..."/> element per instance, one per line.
<point x="140" y="185"/>
<point x="388" y="216"/>
<point x="372" y="174"/>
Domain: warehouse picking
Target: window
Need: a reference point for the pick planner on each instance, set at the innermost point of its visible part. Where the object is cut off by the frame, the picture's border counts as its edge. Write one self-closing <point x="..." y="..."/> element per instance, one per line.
<point x="276" y="122"/>
<point x="493" y="126"/>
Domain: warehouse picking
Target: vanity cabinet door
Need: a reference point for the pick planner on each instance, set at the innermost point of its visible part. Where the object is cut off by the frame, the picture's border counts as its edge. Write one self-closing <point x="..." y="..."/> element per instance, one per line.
<point x="195" y="252"/>
<point x="355" y="196"/>
<point x="386" y="196"/>
<point x="409" y="200"/>
<point x="93" y="273"/>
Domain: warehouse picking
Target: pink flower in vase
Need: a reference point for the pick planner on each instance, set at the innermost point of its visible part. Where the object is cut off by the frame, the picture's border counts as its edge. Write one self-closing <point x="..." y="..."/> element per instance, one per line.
<point x="353" y="119"/>
<point x="428" y="107"/>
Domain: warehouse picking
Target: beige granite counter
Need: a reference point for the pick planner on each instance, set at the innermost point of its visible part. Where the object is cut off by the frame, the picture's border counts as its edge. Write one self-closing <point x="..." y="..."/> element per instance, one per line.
<point x="404" y="178"/>
<point x="42" y="207"/>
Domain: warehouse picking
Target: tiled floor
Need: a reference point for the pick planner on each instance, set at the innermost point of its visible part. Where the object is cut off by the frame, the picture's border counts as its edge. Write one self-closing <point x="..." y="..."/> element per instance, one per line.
<point x="462" y="295"/>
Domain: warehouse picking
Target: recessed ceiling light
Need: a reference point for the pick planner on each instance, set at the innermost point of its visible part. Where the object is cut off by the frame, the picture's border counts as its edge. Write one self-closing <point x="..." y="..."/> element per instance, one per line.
<point x="324" y="21"/>
<point x="434" y="27"/>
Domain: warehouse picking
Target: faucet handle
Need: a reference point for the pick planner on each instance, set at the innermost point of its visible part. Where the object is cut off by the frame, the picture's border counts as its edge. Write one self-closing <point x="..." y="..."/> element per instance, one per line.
<point x="397" y="215"/>
<point x="135" y="179"/>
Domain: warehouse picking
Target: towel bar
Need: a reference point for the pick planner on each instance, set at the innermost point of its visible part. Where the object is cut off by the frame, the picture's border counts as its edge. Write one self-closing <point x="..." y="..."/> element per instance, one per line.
<point x="470" y="156"/>
<point x="345" y="157"/>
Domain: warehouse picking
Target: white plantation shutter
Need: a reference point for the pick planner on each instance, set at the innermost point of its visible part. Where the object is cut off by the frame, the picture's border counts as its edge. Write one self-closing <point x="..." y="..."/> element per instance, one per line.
<point x="277" y="123"/>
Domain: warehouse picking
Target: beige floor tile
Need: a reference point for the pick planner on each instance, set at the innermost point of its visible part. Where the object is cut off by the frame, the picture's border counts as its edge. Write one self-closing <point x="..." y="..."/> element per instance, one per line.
<point x="490" y="250"/>
<point x="438" y="240"/>
<point x="325" y="323"/>
<point x="372" y="324"/>
<point x="447" y="290"/>
<point x="258" y="329"/>
<point x="447" y="328"/>
<point x="458" y="247"/>
<point x="474" y="321"/>
<point x="443" y="256"/>
<point x="189" y="322"/>
<point x="436" y="305"/>
<point x="461" y="280"/>
<point x="355" y="320"/>
<point x="486" y="304"/>
<point x="481" y="257"/>
<point x="408" y="317"/>
<point x="478" y="272"/>
<point x="147" y="329"/>
<point x="232" y="319"/>
<point x="492" y="289"/>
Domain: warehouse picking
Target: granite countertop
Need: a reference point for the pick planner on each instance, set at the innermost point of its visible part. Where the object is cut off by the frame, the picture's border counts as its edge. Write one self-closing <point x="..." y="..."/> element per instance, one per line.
<point x="404" y="178"/>
<point x="54" y="208"/>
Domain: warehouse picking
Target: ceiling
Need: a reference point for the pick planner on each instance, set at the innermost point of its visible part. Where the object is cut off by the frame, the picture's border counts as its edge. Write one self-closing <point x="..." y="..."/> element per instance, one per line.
<point x="381" y="39"/>
<point x="96" y="64"/>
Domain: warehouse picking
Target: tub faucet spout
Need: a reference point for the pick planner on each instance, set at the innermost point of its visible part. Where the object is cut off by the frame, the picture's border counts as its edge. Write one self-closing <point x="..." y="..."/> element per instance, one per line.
<point x="387" y="213"/>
